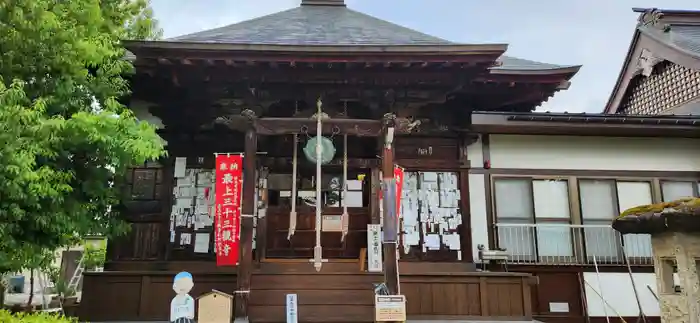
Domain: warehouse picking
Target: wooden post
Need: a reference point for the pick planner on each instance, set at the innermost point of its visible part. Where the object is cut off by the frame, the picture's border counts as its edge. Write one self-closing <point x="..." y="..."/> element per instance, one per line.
<point x="242" y="294"/>
<point x="465" y="230"/>
<point x="390" y="225"/>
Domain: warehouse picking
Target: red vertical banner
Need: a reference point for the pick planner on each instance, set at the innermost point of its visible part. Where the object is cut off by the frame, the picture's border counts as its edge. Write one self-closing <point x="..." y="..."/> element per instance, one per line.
<point x="398" y="178"/>
<point x="227" y="200"/>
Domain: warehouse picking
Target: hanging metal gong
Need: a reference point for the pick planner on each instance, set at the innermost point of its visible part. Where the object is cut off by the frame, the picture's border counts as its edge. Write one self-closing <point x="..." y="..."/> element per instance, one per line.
<point x="327" y="150"/>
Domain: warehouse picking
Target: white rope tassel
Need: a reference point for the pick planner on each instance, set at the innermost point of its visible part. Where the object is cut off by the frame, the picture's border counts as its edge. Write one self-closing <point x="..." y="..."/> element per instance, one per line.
<point x="293" y="212"/>
<point x="318" y="250"/>
<point x="345" y="218"/>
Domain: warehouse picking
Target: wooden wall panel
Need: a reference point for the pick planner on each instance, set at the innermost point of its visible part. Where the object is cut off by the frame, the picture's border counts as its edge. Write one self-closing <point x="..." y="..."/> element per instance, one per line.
<point x="143" y="242"/>
<point x="146" y="207"/>
<point x="335" y="297"/>
<point x="557" y="287"/>
<point x="140" y="296"/>
<point x="323" y="297"/>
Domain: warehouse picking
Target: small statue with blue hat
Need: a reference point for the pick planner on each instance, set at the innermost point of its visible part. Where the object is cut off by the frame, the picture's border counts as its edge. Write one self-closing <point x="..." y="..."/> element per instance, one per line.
<point x="182" y="305"/>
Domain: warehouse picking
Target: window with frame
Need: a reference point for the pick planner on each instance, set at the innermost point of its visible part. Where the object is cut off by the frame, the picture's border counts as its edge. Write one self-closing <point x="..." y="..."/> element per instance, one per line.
<point x="603" y="200"/>
<point x="533" y="217"/>
<point x="676" y="190"/>
<point x="143" y="183"/>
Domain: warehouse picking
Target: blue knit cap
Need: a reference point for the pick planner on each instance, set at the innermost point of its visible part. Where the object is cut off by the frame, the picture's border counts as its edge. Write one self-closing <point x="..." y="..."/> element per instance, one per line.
<point x="183" y="274"/>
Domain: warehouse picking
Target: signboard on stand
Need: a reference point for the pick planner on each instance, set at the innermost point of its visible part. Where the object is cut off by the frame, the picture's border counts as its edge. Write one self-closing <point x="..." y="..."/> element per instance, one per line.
<point x="227" y="202"/>
<point x="215" y="307"/>
<point x="389" y="308"/>
<point x="374" y="248"/>
<point x="292" y="310"/>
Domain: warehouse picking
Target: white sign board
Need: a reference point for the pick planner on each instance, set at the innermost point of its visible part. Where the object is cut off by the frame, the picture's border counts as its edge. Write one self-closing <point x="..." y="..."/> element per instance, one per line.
<point x="292" y="313"/>
<point x="558" y="307"/>
<point x="374" y="248"/>
<point x="389" y="308"/>
<point x="332" y="223"/>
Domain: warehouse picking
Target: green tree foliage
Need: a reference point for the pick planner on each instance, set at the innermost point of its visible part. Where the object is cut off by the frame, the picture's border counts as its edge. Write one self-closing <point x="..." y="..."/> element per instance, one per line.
<point x="65" y="138"/>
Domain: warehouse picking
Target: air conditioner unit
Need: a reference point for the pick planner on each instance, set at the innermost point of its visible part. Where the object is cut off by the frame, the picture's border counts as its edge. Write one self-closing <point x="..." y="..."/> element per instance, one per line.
<point x="498" y="255"/>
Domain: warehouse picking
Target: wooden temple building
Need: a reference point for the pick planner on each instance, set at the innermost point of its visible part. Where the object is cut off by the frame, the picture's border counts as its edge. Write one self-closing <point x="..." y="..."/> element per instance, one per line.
<point x="463" y="130"/>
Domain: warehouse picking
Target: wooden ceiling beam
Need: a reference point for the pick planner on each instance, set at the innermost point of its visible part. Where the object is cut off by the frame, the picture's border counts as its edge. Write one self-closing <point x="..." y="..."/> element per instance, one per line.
<point x="301" y="74"/>
<point x="344" y="72"/>
<point x="280" y="126"/>
<point x="148" y="88"/>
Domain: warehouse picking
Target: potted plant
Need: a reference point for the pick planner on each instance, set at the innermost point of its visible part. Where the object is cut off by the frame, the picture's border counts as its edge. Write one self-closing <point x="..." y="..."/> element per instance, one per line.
<point x="94" y="256"/>
<point x="65" y="296"/>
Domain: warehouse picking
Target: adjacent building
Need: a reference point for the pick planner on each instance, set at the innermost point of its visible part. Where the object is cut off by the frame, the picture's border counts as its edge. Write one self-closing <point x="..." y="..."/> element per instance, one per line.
<point x="661" y="72"/>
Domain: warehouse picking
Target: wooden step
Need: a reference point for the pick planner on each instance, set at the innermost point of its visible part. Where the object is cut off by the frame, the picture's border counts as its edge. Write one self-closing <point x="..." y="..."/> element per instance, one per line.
<point x="303" y="266"/>
<point x="340" y="292"/>
<point x="307" y="267"/>
<point x="313" y="313"/>
<point x="321" y="297"/>
<point x="313" y="297"/>
<point x="304" y="281"/>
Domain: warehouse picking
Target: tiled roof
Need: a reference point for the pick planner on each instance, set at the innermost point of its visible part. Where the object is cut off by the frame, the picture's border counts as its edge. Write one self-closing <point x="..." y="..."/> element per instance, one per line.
<point x="314" y="25"/>
<point x="513" y="63"/>
<point x="683" y="37"/>
<point x="333" y="25"/>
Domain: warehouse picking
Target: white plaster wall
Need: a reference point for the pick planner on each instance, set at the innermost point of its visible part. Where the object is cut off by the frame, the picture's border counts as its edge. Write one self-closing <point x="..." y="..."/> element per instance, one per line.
<point x="574" y="153"/>
<point x="477" y="206"/>
<point x="618" y="293"/>
<point x="475" y="154"/>
<point x="594" y="153"/>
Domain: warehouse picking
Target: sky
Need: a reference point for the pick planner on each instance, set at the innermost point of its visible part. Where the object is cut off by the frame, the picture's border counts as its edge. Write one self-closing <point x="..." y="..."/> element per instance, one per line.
<point x="592" y="33"/>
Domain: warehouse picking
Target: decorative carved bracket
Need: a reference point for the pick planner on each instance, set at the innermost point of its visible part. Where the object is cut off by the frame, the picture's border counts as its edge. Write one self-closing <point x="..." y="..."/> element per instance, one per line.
<point x="407" y="125"/>
<point x="249" y="115"/>
<point x="653" y="18"/>
<point x="243" y="121"/>
<point x="402" y="125"/>
<point x="646" y="62"/>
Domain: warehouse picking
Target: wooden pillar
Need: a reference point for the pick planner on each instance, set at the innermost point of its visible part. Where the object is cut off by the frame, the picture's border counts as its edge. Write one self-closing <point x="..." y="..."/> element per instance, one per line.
<point x="376" y="184"/>
<point x="168" y="182"/>
<point x="390" y="229"/>
<point x="465" y="230"/>
<point x="242" y="294"/>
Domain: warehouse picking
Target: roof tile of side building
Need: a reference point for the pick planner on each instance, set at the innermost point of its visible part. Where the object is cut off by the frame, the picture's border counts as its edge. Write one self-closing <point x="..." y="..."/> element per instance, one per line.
<point x="333" y="25"/>
<point x="594" y="116"/>
<point x="685" y="38"/>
